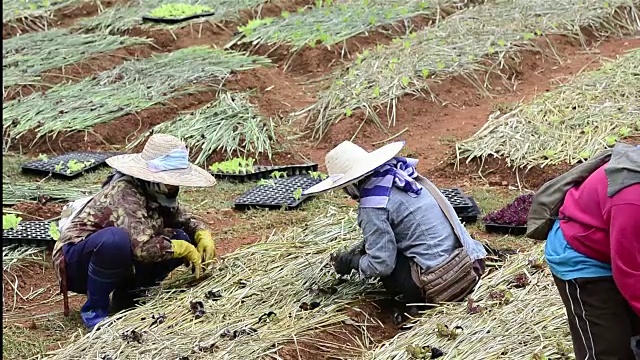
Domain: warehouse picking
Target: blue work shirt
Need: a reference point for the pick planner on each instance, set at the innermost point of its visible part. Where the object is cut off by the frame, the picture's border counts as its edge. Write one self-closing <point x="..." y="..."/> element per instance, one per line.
<point x="568" y="264"/>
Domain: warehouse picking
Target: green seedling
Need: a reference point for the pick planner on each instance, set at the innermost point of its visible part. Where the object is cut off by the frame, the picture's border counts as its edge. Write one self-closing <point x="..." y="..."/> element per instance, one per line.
<point x="252" y="25"/>
<point x="74" y="165"/>
<point x="59" y="166"/>
<point x="53" y="231"/>
<point x="585" y="155"/>
<point x="233" y="166"/>
<point x="297" y="193"/>
<point x="624" y="132"/>
<point x="549" y="154"/>
<point x="611" y="140"/>
<point x="267" y="182"/>
<point x="278" y="174"/>
<point x="172" y="11"/>
<point x="43" y="157"/>
<point x="317" y="175"/>
<point x="10" y="221"/>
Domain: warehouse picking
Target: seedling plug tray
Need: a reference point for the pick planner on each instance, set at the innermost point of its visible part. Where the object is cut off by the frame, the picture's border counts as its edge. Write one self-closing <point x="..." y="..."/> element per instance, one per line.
<point x="264" y="172"/>
<point x="176" y="19"/>
<point x="62" y="166"/>
<point x="33" y="233"/>
<point x="458" y="200"/>
<point x="505" y="229"/>
<point x="470" y="216"/>
<point x="278" y="195"/>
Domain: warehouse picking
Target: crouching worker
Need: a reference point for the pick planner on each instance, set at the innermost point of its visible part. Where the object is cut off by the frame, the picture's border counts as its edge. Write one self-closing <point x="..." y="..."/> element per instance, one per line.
<point x="133" y="232"/>
<point x="413" y="239"/>
<point x="590" y="217"/>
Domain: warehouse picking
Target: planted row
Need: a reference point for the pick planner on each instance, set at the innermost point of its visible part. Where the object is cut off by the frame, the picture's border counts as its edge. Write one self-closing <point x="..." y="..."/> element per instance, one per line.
<point x="458" y="45"/>
<point x="569" y="124"/>
<point x="25" y="57"/>
<point x="130" y="87"/>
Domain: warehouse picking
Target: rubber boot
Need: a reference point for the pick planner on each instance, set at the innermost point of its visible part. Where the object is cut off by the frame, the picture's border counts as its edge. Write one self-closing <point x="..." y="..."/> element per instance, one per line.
<point x="96" y="309"/>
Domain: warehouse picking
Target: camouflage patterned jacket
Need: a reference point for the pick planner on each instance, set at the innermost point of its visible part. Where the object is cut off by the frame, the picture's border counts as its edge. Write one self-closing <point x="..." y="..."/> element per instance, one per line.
<point x="122" y="203"/>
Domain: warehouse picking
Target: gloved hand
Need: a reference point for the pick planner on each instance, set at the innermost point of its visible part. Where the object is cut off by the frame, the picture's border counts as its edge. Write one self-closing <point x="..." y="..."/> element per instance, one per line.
<point x="344" y="262"/>
<point x="184" y="250"/>
<point x="206" y="245"/>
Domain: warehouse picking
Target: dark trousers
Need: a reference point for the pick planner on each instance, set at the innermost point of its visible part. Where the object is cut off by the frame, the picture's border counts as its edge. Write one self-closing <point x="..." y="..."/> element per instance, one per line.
<point x="400" y="282"/>
<point x="601" y="321"/>
<point x="103" y="263"/>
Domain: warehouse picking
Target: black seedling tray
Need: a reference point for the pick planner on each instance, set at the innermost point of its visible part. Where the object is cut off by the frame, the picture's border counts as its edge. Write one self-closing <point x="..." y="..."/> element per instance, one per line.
<point x="505" y="229"/>
<point x="46" y="167"/>
<point x="34" y="233"/>
<point x="276" y="196"/>
<point x="175" y="20"/>
<point x="470" y="216"/>
<point x="264" y="172"/>
<point x="457" y="199"/>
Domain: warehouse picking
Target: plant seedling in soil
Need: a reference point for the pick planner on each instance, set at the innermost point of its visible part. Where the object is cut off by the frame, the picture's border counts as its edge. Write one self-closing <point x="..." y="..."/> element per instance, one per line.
<point x="175" y="11"/>
<point x="278" y="174"/>
<point x="53" y="231"/>
<point x="197" y="308"/>
<point x="297" y="193"/>
<point x="317" y="175"/>
<point x="514" y="214"/>
<point x="10" y="221"/>
<point x="267" y="182"/>
<point x="233" y="166"/>
<point x="443" y="331"/>
<point x="611" y="140"/>
<point x="43" y="157"/>
<point x="424" y="352"/>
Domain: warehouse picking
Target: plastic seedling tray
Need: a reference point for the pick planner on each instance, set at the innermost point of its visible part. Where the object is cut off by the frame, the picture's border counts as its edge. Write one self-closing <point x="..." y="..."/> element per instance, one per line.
<point x="470" y="216"/>
<point x="176" y="20"/>
<point x="505" y="229"/>
<point x="58" y="165"/>
<point x="264" y="172"/>
<point x="457" y="199"/>
<point x="34" y="233"/>
<point x="277" y="195"/>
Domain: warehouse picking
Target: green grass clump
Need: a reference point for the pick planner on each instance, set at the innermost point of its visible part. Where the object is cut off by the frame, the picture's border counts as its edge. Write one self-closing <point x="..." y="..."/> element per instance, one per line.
<point x="229" y="124"/>
<point x="130" y="87"/>
<point x="172" y="11"/>
<point x="16" y="9"/>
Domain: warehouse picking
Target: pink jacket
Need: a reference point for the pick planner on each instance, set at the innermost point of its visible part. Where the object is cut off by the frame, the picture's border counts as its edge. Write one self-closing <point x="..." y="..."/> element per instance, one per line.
<point x="606" y="229"/>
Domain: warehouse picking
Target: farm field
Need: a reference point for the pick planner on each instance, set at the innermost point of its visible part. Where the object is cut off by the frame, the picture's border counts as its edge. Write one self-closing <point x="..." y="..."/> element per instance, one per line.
<point x="494" y="97"/>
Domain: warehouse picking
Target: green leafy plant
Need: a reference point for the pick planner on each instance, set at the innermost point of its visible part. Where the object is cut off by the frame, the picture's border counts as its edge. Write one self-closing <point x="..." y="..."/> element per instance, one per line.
<point x="317" y="175"/>
<point x="234" y="166"/>
<point x="171" y="11"/>
<point x="53" y="231"/>
<point x="43" y="157"/>
<point x="278" y="174"/>
<point x="252" y="25"/>
<point x="10" y="221"/>
<point x="74" y="165"/>
<point x="611" y="140"/>
<point x="266" y="182"/>
<point x="59" y="166"/>
<point x="297" y="193"/>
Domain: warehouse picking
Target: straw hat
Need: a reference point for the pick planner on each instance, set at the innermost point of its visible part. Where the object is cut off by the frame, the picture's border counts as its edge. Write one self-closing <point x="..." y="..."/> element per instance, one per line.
<point x="348" y="163"/>
<point x="152" y="165"/>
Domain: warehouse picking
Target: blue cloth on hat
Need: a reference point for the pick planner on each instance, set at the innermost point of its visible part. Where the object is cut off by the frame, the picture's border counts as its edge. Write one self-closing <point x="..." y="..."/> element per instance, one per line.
<point x="399" y="172"/>
<point x="175" y="159"/>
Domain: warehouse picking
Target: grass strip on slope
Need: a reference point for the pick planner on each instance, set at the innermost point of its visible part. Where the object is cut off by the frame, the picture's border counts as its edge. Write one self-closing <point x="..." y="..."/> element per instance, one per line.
<point x="569" y="124"/>
<point x="332" y="23"/>
<point x="229" y="124"/>
<point x="25" y="57"/>
<point x="120" y="18"/>
<point x="275" y="275"/>
<point x="528" y="323"/>
<point x="16" y="9"/>
<point x="130" y="87"/>
<point x="460" y="44"/>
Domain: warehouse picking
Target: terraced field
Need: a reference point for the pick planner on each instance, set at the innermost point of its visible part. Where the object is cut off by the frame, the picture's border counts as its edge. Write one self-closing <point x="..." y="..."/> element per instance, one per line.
<point x="494" y="97"/>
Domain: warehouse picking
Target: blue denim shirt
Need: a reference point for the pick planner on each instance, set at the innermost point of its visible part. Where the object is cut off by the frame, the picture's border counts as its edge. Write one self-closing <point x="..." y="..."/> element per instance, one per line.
<point x="415" y="226"/>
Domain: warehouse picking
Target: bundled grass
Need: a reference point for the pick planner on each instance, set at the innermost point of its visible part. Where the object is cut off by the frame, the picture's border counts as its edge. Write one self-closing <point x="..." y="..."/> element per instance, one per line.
<point x="15" y="193"/>
<point x="25" y="57"/>
<point x="16" y="9"/>
<point x="535" y="310"/>
<point x="460" y="45"/>
<point x="274" y="275"/>
<point x="120" y="18"/>
<point x="332" y="24"/>
<point x="12" y="254"/>
<point x="569" y="124"/>
<point x="229" y="124"/>
<point x="130" y="87"/>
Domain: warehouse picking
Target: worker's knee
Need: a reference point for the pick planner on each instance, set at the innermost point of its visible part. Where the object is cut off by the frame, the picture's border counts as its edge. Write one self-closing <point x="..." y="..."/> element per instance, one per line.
<point x="115" y="244"/>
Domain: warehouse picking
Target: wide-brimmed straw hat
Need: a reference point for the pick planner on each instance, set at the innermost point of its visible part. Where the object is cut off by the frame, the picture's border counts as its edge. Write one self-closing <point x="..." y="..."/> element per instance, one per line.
<point x="347" y="163"/>
<point x="165" y="160"/>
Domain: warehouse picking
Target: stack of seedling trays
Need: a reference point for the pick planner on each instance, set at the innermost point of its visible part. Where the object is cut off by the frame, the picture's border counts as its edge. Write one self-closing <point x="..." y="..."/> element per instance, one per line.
<point x="31" y="233"/>
<point x="511" y="219"/>
<point x="465" y="206"/>
<point x="69" y="165"/>
<point x="282" y="193"/>
<point x="262" y="172"/>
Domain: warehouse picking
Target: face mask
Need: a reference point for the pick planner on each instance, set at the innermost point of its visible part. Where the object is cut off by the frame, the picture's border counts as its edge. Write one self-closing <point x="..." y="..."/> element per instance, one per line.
<point x="165" y="195"/>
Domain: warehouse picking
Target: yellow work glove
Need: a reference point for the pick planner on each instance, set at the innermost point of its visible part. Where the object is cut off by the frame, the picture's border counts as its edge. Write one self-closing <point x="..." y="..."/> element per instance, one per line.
<point x="187" y="252"/>
<point x="206" y="245"/>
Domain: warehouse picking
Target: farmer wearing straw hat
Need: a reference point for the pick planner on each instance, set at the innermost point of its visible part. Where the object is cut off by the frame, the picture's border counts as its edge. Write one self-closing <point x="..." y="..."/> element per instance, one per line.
<point x="413" y="239"/>
<point x="133" y="232"/>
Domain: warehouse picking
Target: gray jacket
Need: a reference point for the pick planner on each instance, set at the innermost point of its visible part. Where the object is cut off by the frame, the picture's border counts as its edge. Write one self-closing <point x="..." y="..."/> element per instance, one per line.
<point x="416" y="227"/>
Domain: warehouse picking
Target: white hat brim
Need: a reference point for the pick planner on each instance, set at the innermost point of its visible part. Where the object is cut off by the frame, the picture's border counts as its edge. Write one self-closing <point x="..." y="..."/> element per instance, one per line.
<point x="365" y="166"/>
<point x="134" y="165"/>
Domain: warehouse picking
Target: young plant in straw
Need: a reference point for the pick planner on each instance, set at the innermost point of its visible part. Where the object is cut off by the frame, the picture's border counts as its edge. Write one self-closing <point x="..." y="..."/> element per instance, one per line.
<point x="178" y="10"/>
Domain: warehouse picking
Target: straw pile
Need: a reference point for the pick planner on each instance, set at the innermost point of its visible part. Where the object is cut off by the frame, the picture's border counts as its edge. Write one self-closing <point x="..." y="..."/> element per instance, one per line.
<point x="130" y="87"/>
<point x="533" y="322"/>
<point x="569" y="124"/>
<point x="459" y="45"/>
<point x="25" y="57"/>
<point x="117" y="19"/>
<point x="229" y="124"/>
<point x="19" y="192"/>
<point x="275" y="275"/>
<point x="16" y="9"/>
<point x="332" y="23"/>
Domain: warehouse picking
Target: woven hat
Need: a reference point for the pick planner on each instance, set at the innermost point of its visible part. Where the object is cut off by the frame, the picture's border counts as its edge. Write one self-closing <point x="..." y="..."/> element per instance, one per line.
<point x="348" y="163"/>
<point x="165" y="160"/>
